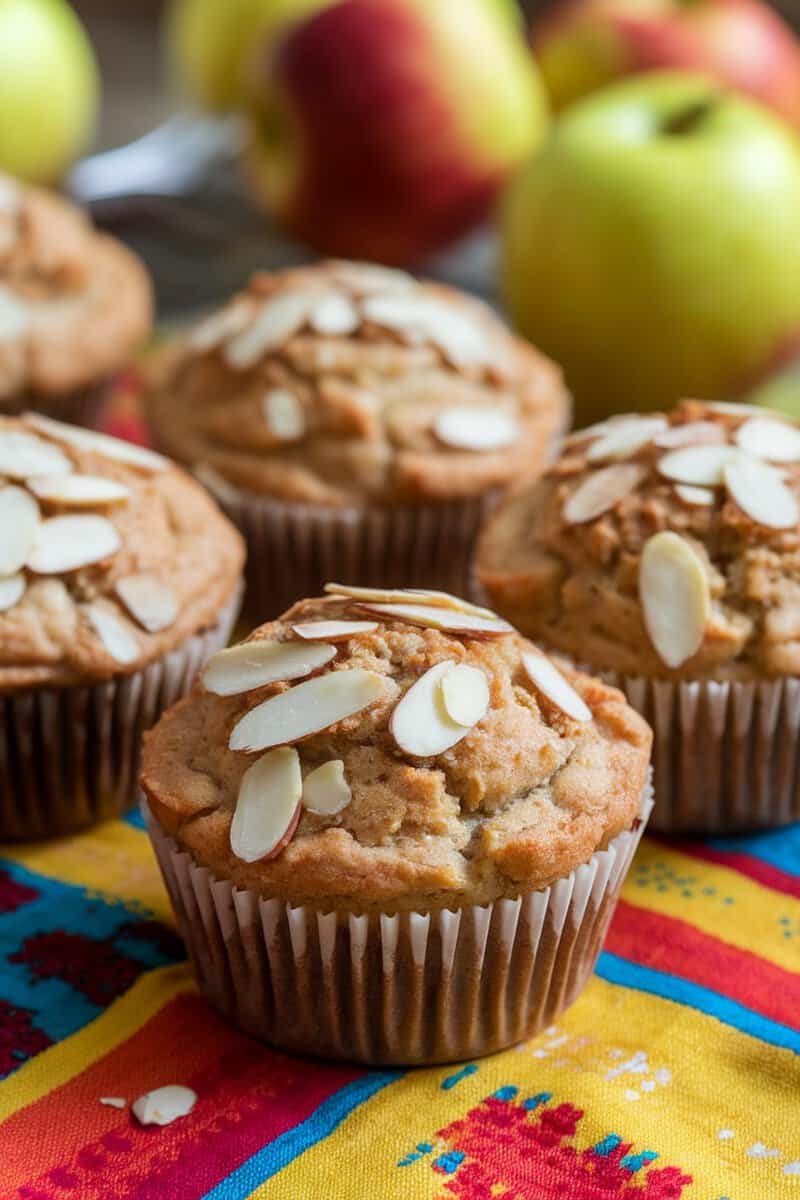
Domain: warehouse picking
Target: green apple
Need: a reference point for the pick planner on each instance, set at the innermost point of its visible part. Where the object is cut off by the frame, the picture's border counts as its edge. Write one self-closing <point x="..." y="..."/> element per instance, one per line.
<point x="49" y="88"/>
<point x="209" y="43"/>
<point x="652" y="246"/>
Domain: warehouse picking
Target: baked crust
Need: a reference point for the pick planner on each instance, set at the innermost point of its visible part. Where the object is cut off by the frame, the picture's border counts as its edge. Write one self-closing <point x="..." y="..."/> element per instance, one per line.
<point x="526" y="796"/>
<point x="367" y="397"/>
<point x="169" y="529"/>
<point x="575" y="586"/>
<point x="74" y="303"/>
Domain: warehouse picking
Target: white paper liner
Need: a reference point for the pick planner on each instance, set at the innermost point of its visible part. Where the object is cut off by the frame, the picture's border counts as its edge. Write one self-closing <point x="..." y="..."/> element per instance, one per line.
<point x="294" y="549"/>
<point x="404" y="988"/>
<point x="69" y="757"/>
<point x="726" y="756"/>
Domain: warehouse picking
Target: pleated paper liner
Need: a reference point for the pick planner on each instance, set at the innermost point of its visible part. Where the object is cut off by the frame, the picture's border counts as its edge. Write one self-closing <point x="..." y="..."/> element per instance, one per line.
<point x="294" y="549"/>
<point x="395" y="988"/>
<point x="69" y="757"/>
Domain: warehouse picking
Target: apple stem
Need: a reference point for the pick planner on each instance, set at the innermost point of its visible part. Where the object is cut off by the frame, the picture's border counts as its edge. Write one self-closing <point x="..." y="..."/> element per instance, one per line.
<point x="688" y="119"/>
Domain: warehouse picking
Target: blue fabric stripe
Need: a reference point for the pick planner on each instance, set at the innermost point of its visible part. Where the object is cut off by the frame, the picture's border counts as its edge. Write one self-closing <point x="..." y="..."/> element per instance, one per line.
<point x="778" y="847"/>
<point x="135" y="818"/>
<point x="618" y="970"/>
<point x="291" y="1144"/>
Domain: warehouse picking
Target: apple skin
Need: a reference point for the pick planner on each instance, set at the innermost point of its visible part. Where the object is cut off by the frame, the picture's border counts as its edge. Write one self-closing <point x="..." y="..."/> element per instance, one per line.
<point x="384" y="129"/>
<point x="653" y="264"/>
<point x="49" y="89"/>
<point x="584" y="44"/>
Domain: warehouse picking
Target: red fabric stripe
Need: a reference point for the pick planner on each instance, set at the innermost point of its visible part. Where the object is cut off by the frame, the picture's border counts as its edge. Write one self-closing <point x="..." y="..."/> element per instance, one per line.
<point x="744" y="864"/>
<point x="677" y="948"/>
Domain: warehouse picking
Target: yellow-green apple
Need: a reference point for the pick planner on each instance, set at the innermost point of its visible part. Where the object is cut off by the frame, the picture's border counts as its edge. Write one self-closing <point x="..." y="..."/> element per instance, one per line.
<point x="209" y="43"/>
<point x="584" y="44"/>
<point x="652" y="245"/>
<point x="384" y="129"/>
<point x="49" y="88"/>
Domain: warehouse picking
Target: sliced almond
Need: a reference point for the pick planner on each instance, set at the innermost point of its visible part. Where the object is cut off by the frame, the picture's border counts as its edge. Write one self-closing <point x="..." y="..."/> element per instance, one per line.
<point x="14" y="315"/>
<point x="626" y="439"/>
<point x="409" y="596"/>
<point x="78" y="491"/>
<point x="12" y="589"/>
<point x="465" y="693"/>
<point x="68" y="543"/>
<point x="761" y="493"/>
<point x="696" y="497"/>
<point x="420" y="723"/>
<point x="114" y="1101"/>
<point x="164" y="1105"/>
<point x="548" y="679"/>
<point x="332" y="631"/>
<point x="274" y="323"/>
<point x="268" y="806"/>
<point x="23" y="455"/>
<point x="307" y="708"/>
<point x="674" y="592"/>
<point x="325" y="790"/>
<point x="418" y="317"/>
<point x="594" y="431"/>
<point x="446" y="619"/>
<point x="699" y="465"/>
<point x="283" y="415"/>
<point x="98" y="443"/>
<point x="229" y="321"/>
<point x="364" y="278"/>
<point x="601" y="491"/>
<point x="693" y="433"/>
<point x="19" y="520"/>
<point x="117" y="639"/>
<point x="149" y="601"/>
<point x="734" y="408"/>
<point x="764" y="437"/>
<point x="333" y="315"/>
<point x="251" y="665"/>
<point x="476" y="428"/>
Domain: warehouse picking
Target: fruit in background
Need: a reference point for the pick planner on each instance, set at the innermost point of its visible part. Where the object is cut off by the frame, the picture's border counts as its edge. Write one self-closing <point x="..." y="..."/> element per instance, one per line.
<point x="383" y="129"/>
<point x="652" y="246"/>
<point x="209" y="43"/>
<point x="49" y="88"/>
<point x="779" y="386"/>
<point x="585" y="44"/>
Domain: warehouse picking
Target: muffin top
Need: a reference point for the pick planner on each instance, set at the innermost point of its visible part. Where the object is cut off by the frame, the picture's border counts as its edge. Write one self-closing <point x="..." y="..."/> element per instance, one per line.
<point x="394" y="748"/>
<point x="343" y="383"/>
<point x="73" y="302"/>
<point x="109" y="555"/>
<point x="665" y="546"/>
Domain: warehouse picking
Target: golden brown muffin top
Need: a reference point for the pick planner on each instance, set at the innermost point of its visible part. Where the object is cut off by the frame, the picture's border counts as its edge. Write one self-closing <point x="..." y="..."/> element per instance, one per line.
<point x="73" y="302"/>
<point x="109" y="555"/>
<point x="665" y="546"/>
<point x="409" y="751"/>
<point x="342" y="383"/>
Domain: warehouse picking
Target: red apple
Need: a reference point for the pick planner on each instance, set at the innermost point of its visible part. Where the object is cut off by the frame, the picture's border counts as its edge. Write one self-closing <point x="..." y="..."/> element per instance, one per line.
<point x="384" y="129"/>
<point x="582" y="44"/>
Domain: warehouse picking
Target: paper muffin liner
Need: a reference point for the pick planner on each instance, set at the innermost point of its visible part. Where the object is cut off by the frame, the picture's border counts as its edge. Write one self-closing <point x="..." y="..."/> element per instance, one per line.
<point x="726" y="755"/>
<point x="395" y="988"/>
<point x="79" y="407"/>
<point x="69" y="757"/>
<point x="294" y="549"/>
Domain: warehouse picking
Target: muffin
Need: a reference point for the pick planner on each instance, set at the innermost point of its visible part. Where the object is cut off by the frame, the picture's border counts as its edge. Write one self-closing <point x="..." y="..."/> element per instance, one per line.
<point x="74" y="304"/>
<point x="118" y="577"/>
<point x="350" y="419"/>
<point x="392" y="830"/>
<point x="664" y="552"/>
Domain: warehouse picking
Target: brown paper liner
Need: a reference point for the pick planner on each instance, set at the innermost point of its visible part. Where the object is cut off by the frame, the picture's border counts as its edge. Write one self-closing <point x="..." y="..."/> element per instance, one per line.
<point x="726" y="756"/>
<point x="404" y="988"/>
<point x="293" y="550"/>
<point x="80" y="407"/>
<point x="69" y="757"/>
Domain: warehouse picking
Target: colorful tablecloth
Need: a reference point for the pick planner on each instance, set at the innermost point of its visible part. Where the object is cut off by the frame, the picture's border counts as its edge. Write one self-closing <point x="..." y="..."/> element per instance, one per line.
<point x="676" y="1076"/>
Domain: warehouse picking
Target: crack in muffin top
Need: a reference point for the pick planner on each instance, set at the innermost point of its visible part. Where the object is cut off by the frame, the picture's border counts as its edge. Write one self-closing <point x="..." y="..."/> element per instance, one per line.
<point x="394" y="763"/>
<point x="343" y="383"/>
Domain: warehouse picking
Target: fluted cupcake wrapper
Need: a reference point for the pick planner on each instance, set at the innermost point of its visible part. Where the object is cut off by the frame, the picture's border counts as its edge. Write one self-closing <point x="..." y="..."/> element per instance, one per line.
<point x="69" y="757"/>
<point x="385" y="987"/>
<point x="726" y="755"/>
<point x="294" y="549"/>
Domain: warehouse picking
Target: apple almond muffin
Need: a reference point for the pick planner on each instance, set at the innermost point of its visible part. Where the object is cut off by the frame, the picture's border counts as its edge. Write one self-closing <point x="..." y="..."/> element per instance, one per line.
<point x="74" y="305"/>
<point x="664" y="552"/>
<point x="118" y="576"/>
<point x="348" y="417"/>
<point x="392" y="829"/>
